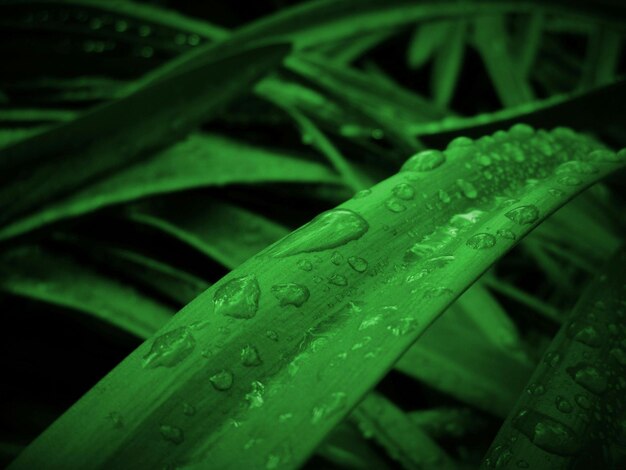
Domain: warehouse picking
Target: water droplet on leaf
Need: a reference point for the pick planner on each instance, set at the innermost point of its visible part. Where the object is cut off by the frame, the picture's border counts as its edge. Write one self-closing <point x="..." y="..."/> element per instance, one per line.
<point x="328" y="230"/>
<point x="250" y="356"/>
<point x="358" y="264"/>
<point x="238" y="297"/>
<point x="404" y="191"/>
<point x="172" y="434"/>
<point x="291" y="294"/>
<point x="523" y="215"/>
<point x="481" y="241"/>
<point x="170" y="348"/>
<point x="223" y="380"/>
<point x="425" y="160"/>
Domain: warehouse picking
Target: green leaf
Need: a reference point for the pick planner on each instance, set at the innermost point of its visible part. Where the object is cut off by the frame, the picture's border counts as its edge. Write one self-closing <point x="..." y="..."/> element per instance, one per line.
<point x="224" y="232"/>
<point x="405" y="442"/>
<point x="492" y="41"/>
<point x="159" y="110"/>
<point x="426" y="40"/>
<point x="199" y="161"/>
<point x="273" y="340"/>
<point x="44" y="276"/>
<point x="573" y="416"/>
<point x="472" y="353"/>
<point x="448" y="63"/>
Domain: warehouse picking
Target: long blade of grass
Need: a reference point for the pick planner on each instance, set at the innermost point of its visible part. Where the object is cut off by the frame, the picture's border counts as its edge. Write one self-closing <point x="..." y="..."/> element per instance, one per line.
<point x="426" y="40"/>
<point x="398" y="434"/>
<point x="448" y="63"/>
<point x="574" y="417"/>
<point x="225" y="232"/>
<point x="456" y="356"/>
<point x="602" y="107"/>
<point x="157" y="112"/>
<point x="492" y="40"/>
<point x="46" y="277"/>
<point x="199" y="161"/>
<point x="279" y="341"/>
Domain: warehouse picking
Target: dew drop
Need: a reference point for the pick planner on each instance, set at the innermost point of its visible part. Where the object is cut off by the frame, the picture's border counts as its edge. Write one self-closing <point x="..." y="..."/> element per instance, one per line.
<point x="305" y="265"/>
<point x="444" y="196"/>
<point x="169" y="349"/>
<point x="575" y="166"/>
<point x="338" y="280"/>
<point x="255" y="395"/>
<point x="499" y="456"/>
<point x="460" y="141"/>
<point x="250" y="356"/>
<point x="434" y="292"/>
<point x="188" y="409"/>
<point x="336" y="258"/>
<point x="395" y="205"/>
<point x="291" y="294"/>
<point x="467" y="189"/>
<point x="547" y="433"/>
<point x="504" y="233"/>
<point x="569" y="180"/>
<point x="555" y="192"/>
<point x="521" y="130"/>
<point x="223" y="380"/>
<point x="563" y="405"/>
<point x="358" y="264"/>
<point x="417" y="252"/>
<point x="238" y="297"/>
<point x="328" y="230"/>
<point x="484" y="160"/>
<point x="605" y="156"/>
<point x="552" y="358"/>
<point x="536" y="389"/>
<point x="362" y="193"/>
<point x="583" y="402"/>
<point x="272" y="335"/>
<point x="172" y="434"/>
<point x="584" y="333"/>
<point x="589" y="377"/>
<point x="404" y="191"/>
<point x="481" y="241"/>
<point x="523" y="215"/>
<point x="425" y="160"/>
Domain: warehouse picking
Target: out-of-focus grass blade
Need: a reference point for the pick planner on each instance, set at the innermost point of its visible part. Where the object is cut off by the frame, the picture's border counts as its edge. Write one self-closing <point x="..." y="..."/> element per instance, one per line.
<point x="582" y="225"/>
<point x="155" y="114"/>
<point x="442" y="423"/>
<point x="347" y="448"/>
<point x="199" y="161"/>
<point x="426" y="40"/>
<point x="527" y="42"/>
<point x="574" y="417"/>
<point x="308" y="24"/>
<point x="325" y="147"/>
<point x="46" y="277"/>
<point x="31" y="117"/>
<point x="448" y="63"/>
<point x="603" y="54"/>
<point x="492" y="41"/>
<point x="345" y="52"/>
<point x="459" y="356"/>
<point x="225" y="232"/>
<point x="166" y="281"/>
<point x="405" y="442"/>
<point x="280" y="340"/>
<point x="602" y="105"/>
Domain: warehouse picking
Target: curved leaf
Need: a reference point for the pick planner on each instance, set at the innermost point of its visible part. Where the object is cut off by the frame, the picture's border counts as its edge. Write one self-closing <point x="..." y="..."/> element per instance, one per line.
<point x="281" y="349"/>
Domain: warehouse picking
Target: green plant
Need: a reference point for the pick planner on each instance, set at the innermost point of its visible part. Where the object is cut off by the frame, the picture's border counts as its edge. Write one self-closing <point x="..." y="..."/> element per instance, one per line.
<point x="325" y="230"/>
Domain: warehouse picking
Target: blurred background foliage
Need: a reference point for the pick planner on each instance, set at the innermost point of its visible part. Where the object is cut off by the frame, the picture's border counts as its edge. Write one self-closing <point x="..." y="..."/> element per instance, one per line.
<point x="92" y="267"/>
